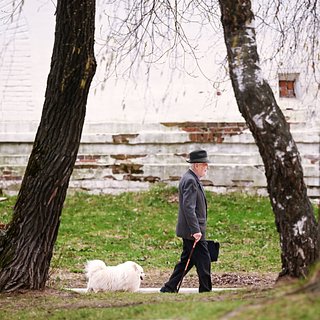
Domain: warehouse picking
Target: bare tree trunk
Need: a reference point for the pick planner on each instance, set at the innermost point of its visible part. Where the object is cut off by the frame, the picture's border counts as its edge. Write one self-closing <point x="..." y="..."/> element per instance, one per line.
<point x="26" y="248"/>
<point x="295" y="220"/>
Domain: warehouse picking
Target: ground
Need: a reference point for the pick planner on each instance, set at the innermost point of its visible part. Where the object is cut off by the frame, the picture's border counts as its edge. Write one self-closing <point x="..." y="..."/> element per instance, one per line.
<point x="156" y="278"/>
<point x="55" y="298"/>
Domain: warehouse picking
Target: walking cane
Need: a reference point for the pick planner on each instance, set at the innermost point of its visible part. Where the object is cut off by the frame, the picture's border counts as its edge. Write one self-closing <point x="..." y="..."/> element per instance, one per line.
<point x="187" y="264"/>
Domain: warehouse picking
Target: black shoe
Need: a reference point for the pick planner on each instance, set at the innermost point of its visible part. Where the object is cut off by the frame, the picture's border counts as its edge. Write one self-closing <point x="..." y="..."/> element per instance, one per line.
<point x="166" y="290"/>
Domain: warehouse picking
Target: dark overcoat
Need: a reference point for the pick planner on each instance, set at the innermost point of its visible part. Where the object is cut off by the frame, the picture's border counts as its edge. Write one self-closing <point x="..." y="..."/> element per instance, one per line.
<point x="192" y="216"/>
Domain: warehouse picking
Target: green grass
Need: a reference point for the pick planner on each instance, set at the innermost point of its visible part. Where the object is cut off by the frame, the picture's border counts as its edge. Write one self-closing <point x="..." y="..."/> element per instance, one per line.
<point x="241" y="305"/>
<point x="141" y="227"/>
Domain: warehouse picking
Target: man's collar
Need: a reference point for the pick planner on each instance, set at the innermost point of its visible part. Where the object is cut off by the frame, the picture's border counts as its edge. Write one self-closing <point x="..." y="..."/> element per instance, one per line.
<point x="194" y="174"/>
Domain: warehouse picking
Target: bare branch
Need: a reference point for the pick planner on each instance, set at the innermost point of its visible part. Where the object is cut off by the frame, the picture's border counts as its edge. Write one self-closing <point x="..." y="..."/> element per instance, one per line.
<point x="153" y="31"/>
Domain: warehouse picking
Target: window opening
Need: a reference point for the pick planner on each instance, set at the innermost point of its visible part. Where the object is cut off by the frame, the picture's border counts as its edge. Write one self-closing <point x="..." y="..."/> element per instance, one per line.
<point x="287" y="85"/>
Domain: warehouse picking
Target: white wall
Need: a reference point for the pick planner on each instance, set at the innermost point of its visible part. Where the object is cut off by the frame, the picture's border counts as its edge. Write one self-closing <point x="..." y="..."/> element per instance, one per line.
<point x="167" y="94"/>
<point x="135" y="105"/>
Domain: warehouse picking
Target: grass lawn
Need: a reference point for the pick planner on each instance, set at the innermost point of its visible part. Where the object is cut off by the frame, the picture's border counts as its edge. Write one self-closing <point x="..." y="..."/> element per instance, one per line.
<point x="141" y="227"/>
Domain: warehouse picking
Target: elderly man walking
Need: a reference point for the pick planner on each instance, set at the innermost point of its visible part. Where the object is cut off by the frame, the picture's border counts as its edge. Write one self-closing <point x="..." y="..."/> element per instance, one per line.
<point x="191" y="225"/>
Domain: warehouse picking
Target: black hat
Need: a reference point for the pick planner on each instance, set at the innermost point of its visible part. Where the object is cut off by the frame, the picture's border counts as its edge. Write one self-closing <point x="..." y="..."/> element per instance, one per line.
<point x="198" y="156"/>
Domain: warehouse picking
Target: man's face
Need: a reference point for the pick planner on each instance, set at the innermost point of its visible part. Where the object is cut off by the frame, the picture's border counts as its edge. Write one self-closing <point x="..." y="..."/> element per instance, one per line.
<point x="201" y="169"/>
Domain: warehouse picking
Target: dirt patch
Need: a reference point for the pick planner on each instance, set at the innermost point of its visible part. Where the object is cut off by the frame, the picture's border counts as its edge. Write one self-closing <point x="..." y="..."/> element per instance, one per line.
<point x="156" y="278"/>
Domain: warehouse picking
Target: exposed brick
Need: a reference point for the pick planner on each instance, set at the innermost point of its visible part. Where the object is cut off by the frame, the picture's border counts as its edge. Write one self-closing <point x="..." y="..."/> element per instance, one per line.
<point x="10" y="178"/>
<point x="174" y="178"/>
<point x="127" y="156"/>
<point x="126" y="168"/>
<point x="206" y="137"/>
<point x="89" y="166"/>
<point x="88" y="158"/>
<point x="207" y="183"/>
<point x="219" y="139"/>
<point x="111" y="169"/>
<point x="213" y="132"/>
<point x="130" y="177"/>
<point x="151" y="179"/>
<point x="109" y="177"/>
<point x="313" y="159"/>
<point x="241" y="183"/>
<point x="190" y="129"/>
<point x="123" y="138"/>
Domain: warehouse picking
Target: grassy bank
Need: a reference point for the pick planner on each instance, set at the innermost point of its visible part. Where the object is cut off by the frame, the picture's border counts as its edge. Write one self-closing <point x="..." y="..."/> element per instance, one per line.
<point x="141" y="227"/>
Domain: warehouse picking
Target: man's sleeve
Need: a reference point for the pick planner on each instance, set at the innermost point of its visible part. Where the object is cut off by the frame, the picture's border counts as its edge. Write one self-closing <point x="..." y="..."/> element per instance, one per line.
<point x="189" y="205"/>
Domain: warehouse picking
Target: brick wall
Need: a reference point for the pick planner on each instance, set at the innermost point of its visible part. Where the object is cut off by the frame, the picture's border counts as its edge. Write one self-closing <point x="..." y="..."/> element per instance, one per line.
<point x="130" y="157"/>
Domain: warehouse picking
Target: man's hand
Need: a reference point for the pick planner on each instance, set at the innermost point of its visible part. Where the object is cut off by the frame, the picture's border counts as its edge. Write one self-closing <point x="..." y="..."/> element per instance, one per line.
<point x="197" y="236"/>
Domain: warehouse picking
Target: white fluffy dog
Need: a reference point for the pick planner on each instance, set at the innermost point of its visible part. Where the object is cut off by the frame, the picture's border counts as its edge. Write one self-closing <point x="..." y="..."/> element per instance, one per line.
<point x="126" y="276"/>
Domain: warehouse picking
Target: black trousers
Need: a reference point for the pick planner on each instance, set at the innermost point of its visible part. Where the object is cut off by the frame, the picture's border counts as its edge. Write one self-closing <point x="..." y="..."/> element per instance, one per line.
<point x="200" y="259"/>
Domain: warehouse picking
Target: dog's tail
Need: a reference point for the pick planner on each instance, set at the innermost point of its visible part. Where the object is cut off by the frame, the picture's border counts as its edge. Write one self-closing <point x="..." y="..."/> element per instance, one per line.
<point x="93" y="266"/>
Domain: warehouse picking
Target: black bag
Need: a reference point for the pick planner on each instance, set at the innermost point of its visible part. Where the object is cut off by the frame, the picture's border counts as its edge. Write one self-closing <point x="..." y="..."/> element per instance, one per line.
<point x="213" y="247"/>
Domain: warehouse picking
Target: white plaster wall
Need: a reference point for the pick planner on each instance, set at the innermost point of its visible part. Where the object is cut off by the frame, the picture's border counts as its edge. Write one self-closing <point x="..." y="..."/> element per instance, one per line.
<point x="137" y="104"/>
<point x="165" y="94"/>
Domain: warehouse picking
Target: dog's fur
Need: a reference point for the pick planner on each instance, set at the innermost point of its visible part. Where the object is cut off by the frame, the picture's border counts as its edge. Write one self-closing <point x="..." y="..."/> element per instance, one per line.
<point x="126" y="276"/>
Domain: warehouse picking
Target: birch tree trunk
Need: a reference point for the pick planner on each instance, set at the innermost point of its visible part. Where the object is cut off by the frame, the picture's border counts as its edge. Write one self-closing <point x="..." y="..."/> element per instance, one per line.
<point x="26" y="248"/>
<point x="294" y="216"/>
